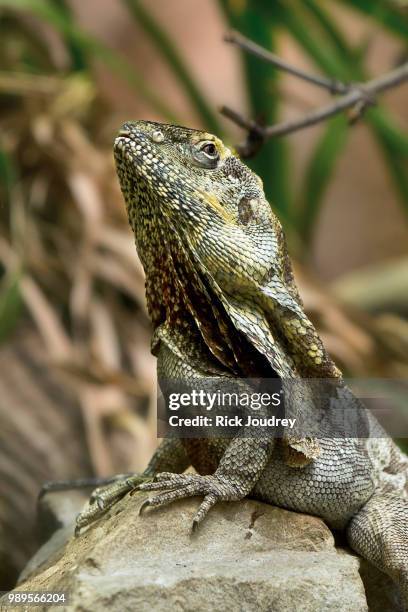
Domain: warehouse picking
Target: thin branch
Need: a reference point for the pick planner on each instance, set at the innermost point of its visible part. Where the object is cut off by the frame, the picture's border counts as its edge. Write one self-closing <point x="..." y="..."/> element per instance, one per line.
<point x="358" y="97"/>
<point x="334" y="86"/>
<point x="238" y="119"/>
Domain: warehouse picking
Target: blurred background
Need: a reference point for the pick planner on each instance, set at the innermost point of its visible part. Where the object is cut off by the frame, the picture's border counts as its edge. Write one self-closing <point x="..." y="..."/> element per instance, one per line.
<point x="77" y="381"/>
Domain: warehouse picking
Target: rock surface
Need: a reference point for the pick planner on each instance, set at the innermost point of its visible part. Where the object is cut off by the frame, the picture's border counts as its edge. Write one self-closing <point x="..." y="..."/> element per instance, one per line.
<point x="246" y="556"/>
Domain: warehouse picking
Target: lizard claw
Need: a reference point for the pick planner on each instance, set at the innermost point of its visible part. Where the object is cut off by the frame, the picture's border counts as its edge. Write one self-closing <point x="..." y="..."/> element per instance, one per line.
<point x="180" y="486"/>
<point x="143" y="506"/>
<point x="103" y="498"/>
<point x="100" y="503"/>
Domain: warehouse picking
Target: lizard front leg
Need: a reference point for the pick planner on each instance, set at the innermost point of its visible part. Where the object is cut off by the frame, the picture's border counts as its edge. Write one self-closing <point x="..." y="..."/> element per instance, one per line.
<point x="239" y="466"/>
<point x="379" y="533"/>
<point x="238" y="471"/>
<point x="170" y="455"/>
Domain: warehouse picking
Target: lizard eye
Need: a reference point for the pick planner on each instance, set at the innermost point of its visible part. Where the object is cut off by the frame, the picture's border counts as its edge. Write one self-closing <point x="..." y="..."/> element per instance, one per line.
<point x="210" y="150"/>
<point x="206" y="154"/>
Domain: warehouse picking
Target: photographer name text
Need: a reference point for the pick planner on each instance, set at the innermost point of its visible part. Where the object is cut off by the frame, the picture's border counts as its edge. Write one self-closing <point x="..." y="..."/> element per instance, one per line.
<point x="230" y="421"/>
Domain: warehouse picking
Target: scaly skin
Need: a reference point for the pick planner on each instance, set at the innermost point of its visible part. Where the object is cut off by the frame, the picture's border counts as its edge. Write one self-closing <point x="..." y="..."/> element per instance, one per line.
<point x="223" y="302"/>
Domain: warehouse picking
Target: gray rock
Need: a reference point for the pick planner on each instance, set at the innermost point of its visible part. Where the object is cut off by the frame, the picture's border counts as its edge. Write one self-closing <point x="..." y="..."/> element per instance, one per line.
<point x="57" y="510"/>
<point x="246" y="556"/>
<point x="56" y="514"/>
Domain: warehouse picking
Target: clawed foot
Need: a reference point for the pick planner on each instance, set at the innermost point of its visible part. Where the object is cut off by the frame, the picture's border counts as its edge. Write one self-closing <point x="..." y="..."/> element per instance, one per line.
<point x="179" y="486"/>
<point x="173" y="486"/>
<point x="103" y="498"/>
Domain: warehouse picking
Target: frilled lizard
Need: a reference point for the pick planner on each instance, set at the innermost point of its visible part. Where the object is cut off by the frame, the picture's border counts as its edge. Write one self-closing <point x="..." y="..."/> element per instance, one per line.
<point x="223" y="302"/>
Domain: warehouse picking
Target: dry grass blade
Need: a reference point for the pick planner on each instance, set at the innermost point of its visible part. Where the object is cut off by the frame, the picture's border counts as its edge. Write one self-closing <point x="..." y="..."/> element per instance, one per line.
<point x="57" y="341"/>
<point x="104" y="338"/>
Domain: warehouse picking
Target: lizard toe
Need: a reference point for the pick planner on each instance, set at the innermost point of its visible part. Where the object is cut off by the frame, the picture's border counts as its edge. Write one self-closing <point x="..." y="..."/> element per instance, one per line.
<point x="165" y="498"/>
<point x="103" y="498"/>
<point x="208" y="502"/>
<point x="179" y="486"/>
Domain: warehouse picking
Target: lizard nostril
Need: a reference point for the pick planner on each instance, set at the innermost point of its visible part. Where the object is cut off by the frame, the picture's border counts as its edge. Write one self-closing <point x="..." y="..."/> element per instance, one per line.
<point x="124" y="132"/>
<point x="157" y="136"/>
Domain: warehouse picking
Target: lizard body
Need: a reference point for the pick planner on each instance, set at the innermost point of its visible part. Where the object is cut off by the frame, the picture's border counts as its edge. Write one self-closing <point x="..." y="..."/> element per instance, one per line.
<point x="223" y="303"/>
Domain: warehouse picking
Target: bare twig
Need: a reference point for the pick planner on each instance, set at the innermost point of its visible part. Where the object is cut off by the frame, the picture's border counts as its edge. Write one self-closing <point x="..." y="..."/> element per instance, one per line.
<point x="238" y="119"/>
<point x="356" y="96"/>
<point x="333" y="85"/>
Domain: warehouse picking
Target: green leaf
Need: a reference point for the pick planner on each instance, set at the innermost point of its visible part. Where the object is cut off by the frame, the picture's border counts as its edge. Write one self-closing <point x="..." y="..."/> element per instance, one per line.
<point x="348" y="66"/>
<point x="393" y="144"/>
<point x="79" y="59"/>
<point x="389" y="129"/>
<point x="397" y="163"/>
<point x="97" y="50"/>
<point x="11" y="305"/>
<point x="327" y="24"/>
<point x="272" y="162"/>
<point x="170" y="54"/>
<point x="393" y="18"/>
<point x="402" y="443"/>
<point x="319" y="173"/>
<point x="352" y="57"/>
<point x="300" y="26"/>
<point x="7" y="170"/>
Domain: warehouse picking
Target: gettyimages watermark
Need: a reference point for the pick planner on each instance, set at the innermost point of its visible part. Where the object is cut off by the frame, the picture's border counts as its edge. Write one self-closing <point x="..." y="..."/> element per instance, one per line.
<point x="319" y="408"/>
<point x="246" y="405"/>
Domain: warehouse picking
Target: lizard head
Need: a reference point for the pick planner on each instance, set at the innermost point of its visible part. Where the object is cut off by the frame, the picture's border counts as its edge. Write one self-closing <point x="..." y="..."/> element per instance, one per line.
<point x="184" y="169"/>
<point x="185" y="191"/>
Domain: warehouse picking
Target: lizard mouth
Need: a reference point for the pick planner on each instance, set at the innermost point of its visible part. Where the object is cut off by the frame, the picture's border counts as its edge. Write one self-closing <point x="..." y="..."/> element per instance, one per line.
<point x="124" y="138"/>
<point x="120" y="142"/>
<point x="135" y="157"/>
<point x="132" y="142"/>
<point x="130" y="148"/>
<point x="131" y="135"/>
